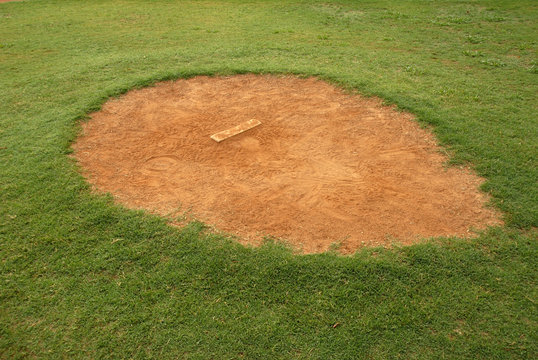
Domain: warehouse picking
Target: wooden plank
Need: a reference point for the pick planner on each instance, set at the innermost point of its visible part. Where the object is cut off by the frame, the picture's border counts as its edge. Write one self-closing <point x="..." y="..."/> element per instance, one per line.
<point x="247" y="125"/>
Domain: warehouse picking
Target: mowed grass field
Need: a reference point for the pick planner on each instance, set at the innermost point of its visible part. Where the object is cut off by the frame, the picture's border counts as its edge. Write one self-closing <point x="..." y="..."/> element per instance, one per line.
<point x="81" y="277"/>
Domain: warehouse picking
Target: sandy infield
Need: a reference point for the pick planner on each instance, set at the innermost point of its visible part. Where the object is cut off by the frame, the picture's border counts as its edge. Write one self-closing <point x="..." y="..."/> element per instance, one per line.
<point x="324" y="168"/>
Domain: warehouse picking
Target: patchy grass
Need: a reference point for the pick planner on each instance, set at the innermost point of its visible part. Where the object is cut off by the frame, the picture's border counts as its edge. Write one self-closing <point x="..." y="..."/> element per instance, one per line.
<point x="83" y="278"/>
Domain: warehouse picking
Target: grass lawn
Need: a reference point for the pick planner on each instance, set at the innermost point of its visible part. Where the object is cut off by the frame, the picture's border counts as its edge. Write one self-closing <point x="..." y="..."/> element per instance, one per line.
<point x="81" y="277"/>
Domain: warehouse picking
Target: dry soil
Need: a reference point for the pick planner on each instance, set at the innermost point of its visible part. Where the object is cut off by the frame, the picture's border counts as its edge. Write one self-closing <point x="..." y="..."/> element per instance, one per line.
<point x="324" y="168"/>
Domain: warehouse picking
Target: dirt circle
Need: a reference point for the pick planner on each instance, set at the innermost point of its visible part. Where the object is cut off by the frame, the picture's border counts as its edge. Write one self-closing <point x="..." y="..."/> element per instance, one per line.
<point x="324" y="167"/>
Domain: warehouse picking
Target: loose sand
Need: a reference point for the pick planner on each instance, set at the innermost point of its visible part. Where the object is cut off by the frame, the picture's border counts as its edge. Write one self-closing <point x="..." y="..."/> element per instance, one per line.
<point x="325" y="167"/>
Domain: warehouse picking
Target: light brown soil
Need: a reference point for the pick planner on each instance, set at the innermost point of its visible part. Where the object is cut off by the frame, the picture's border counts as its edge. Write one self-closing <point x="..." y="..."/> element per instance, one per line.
<point x="325" y="167"/>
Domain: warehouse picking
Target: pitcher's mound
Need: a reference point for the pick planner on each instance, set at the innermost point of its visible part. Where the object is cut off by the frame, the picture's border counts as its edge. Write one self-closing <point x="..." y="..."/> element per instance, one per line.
<point x="323" y="168"/>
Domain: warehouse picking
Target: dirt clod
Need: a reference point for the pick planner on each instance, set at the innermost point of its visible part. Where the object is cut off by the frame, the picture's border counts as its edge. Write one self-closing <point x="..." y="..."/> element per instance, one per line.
<point x="324" y="169"/>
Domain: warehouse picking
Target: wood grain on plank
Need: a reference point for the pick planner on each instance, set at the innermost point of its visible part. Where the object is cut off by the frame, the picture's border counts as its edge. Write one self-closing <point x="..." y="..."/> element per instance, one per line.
<point x="247" y="125"/>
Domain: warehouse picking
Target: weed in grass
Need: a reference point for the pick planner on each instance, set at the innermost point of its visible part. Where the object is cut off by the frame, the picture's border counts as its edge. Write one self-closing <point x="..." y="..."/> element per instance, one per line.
<point x="473" y="53"/>
<point x="493" y="62"/>
<point x="534" y="67"/>
<point x="474" y="39"/>
<point x="413" y="70"/>
<point x="494" y="18"/>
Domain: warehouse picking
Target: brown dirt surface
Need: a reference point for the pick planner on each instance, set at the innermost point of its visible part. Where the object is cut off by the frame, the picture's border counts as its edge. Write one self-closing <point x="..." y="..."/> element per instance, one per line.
<point x="324" y="168"/>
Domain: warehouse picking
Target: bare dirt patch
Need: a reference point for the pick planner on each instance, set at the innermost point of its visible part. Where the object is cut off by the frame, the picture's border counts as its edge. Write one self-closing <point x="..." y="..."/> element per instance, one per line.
<point x="324" y="167"/>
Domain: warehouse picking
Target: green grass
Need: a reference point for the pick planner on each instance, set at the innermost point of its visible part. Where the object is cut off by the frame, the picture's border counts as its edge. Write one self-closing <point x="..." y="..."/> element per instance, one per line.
<point x="83" y="278"/>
